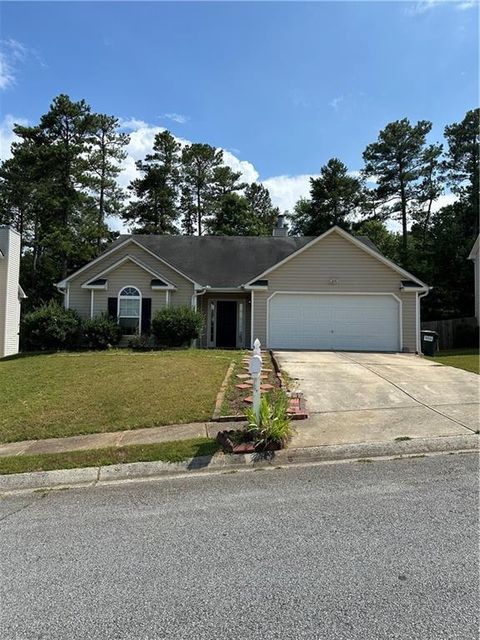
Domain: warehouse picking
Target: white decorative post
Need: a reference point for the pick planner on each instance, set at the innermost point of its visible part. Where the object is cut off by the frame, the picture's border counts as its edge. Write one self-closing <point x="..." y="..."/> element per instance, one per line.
<point x="255" y="370"/>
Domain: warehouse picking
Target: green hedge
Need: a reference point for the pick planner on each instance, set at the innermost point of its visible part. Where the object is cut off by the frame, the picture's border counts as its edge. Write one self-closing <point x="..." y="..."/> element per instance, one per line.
<point x="177" y="326"/>
<point x="51" y="327"/>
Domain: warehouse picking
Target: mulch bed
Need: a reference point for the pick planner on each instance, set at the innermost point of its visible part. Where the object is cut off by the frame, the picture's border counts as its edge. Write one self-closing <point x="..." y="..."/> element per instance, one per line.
<point x="238" y="395"/>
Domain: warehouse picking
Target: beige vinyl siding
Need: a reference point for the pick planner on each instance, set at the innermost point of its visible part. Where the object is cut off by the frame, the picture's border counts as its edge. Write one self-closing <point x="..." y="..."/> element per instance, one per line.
<point x="336" y="258"/>
<point x="128" y="274"/>
<point x="409" y="320"/>
<point x="125" y="274"/>
<point x="9" y="300"/>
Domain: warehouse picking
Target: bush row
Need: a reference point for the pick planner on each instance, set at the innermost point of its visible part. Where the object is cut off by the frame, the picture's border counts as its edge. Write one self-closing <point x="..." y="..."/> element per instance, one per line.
<point x="51" y="327"/>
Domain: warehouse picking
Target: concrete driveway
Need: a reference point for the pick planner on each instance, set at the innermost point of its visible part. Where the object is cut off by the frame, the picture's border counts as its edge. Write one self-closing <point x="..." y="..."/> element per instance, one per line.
<point x="360" y="397"/>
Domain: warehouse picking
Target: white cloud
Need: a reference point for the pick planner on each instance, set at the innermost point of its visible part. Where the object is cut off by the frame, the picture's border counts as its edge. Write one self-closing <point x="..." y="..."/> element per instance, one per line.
<point x="336" y="102"/>
<point x="423" y="6"/>
<point x="443" y="201"/>
<point x="176" y="117"/>
<point x="13" y="54"/>
<point x="7" y="77"/>
<point x="7" y="137"/>
<point x="286" y="190"/>
<point x="142" y="136"/>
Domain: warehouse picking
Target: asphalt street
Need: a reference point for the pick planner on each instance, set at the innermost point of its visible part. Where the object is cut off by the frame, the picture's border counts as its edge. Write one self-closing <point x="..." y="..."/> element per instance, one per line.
<point x="387" y="549"/>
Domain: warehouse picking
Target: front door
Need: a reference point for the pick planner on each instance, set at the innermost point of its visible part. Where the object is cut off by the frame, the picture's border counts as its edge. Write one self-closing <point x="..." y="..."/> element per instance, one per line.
<point x="226" y="323"/>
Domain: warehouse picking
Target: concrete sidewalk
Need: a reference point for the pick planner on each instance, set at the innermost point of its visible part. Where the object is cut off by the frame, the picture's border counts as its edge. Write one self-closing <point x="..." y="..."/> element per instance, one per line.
<point x="151" y="435"/>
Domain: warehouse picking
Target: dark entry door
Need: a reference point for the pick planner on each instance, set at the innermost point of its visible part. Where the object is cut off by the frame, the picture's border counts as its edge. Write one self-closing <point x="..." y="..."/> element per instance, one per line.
<point x="226" y="323"/>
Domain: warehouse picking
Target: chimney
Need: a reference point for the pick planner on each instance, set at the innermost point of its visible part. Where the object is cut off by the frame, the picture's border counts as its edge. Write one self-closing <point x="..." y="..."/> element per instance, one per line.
<point x="280" y="229"/>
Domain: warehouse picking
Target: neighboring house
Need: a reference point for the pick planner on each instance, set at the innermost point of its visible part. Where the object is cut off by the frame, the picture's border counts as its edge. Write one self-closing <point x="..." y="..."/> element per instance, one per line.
<point x="476" y="265"/>
<point x="10" y="291"/>
<point x="334" y="291"/>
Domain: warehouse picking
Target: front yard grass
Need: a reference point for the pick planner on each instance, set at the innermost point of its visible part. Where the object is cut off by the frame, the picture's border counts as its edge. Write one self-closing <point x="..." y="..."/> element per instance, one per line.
<point x="164" y="451"/>
<point x="467" y="359"/>
<point x="66" y="394"/>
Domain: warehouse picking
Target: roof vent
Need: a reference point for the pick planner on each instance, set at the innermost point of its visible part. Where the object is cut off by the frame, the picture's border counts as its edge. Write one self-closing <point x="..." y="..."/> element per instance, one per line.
<point x="280" y="229"/>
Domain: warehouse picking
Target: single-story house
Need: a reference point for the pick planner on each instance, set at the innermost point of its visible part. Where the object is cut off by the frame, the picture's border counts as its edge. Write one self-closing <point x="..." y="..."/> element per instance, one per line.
<point x="474" y="255"/>
<point x="334" y="291"/>
<point x="11" y="292"/>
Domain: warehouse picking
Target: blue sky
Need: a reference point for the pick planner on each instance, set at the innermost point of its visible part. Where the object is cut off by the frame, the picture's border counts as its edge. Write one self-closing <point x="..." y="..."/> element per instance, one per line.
<point x="282" y="86"/>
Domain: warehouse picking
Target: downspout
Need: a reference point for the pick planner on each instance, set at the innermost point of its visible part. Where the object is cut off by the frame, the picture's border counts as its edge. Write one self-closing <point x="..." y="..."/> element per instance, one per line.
<point x="64" y="292"/>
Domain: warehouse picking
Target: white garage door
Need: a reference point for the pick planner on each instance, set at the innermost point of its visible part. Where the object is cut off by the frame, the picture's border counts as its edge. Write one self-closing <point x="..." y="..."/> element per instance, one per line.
<point x="340" y="322"/>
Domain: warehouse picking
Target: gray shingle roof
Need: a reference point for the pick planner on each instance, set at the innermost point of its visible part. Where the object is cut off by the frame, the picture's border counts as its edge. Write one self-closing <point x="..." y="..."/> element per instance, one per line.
<point x="223" y="261"/>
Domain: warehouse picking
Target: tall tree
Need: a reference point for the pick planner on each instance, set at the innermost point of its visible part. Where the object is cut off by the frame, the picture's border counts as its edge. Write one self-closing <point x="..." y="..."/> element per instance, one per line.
<point x="396" y="161"/>
<point x="462" y="162"/>
<point x="155" y="208"/>
<point x="225" y="181"/>
<point x="107" y="150"/>
<point x="233" y="217"/>
<point x="430" y="187"/>
<point x="199" y="162"/>
<point x="261" y="208"/>
<point x="301" y="217"/>
<point x="386" y="241"/>
<point x="335" y="196"/>
<point x="46" y="190"/>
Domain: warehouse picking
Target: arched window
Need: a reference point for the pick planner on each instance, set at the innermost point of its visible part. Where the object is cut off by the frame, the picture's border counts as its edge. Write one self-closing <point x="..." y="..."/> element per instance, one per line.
<point x="129" y="310"/>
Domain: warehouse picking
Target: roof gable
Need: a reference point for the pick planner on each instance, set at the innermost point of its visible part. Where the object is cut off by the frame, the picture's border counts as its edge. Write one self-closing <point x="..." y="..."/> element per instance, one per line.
<point x="119" y="243"/>
<point x="474" y="252"/>
<point x="128" y="258"/>
<point x="355" y="241"/>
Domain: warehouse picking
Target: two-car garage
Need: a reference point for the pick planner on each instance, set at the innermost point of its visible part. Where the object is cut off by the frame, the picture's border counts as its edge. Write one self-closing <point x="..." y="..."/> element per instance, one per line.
<point x="343" y="321"/>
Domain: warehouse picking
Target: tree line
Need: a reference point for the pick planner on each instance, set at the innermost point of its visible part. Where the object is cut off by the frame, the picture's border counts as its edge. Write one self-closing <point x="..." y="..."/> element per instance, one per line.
<point x="61" y="184"/>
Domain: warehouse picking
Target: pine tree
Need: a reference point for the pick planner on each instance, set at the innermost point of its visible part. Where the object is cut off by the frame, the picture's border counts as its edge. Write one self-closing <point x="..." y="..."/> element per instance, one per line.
<point x="396" y="162"/>
<point x="106" y="151"/>
<point x="155" y="207"/>
<point x="199" y="162"/>
<point x="335" y="196"/>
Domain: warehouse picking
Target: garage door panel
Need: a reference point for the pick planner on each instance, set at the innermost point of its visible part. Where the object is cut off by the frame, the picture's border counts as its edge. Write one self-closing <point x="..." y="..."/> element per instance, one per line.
<point x="348" y="322"/>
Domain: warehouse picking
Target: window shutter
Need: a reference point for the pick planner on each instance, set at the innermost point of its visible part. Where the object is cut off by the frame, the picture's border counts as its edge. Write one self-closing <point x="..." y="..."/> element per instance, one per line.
<point x="112" y="308"/>
<point x="146" y="314"/>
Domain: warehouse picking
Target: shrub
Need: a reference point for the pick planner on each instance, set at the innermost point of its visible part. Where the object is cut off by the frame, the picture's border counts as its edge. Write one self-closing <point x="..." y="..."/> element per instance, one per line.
<point x="100" y="332"/>
<point x="177" y="326"/>
<point x="273" y="424"/>
<point x="50" y="327"/>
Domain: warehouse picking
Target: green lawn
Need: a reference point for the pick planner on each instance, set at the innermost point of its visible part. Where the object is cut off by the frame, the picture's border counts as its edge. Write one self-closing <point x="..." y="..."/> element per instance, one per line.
<point x="65" y="394"/>
<point x="165" y="451"/>
<point x="467" y="359"/>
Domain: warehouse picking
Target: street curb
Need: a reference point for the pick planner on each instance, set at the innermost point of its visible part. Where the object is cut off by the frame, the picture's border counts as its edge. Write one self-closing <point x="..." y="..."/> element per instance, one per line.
<point x="223" y="463"/>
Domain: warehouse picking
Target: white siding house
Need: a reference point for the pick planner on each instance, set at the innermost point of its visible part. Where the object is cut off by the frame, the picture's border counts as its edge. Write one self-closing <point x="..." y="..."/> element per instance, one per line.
<point x="10" y="291"/>
<point x="474" y="255"/>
